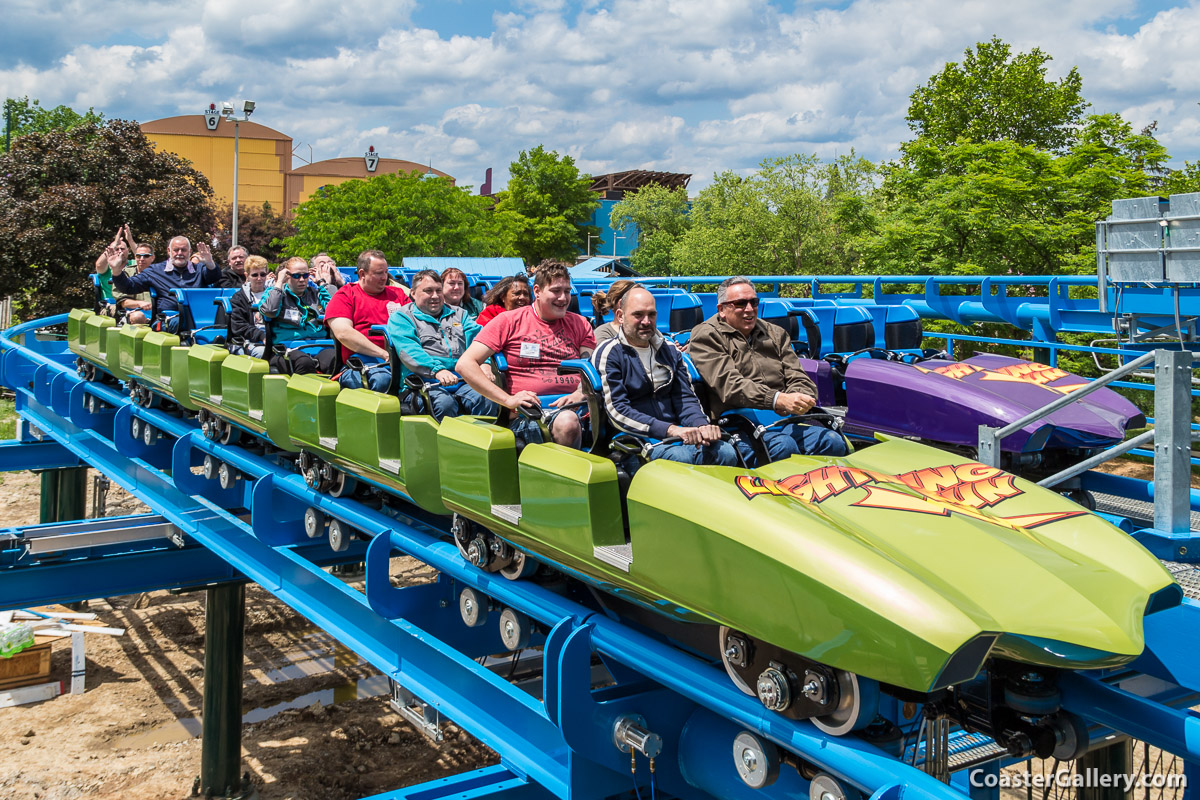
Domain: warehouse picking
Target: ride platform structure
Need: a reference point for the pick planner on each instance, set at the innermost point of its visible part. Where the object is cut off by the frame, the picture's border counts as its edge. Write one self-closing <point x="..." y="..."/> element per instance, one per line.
<point x="620" y="708"/>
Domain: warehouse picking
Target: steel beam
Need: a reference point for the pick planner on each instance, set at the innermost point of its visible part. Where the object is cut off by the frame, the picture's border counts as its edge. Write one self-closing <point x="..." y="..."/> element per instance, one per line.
<point x="497" y="783"/>
<point x="221" y="723"/>
<point x="16" y="455"/>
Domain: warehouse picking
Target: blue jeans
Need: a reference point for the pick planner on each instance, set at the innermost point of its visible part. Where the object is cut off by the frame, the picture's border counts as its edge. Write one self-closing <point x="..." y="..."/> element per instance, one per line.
<point x="379" y="378"/>
<point x="451" y="401"/>
<point x="795" y="439"/>
<point x="718" y="453"/>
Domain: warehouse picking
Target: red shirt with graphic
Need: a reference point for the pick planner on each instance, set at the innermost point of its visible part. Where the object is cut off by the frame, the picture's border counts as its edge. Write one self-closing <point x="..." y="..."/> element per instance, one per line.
<point x="534" y="348"/>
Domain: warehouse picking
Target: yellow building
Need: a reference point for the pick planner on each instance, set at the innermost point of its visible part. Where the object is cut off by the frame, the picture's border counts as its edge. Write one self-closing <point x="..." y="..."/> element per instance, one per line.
<point x="264" y="156"/>
<point x="265" y="173"/>
<point x="301" y="183"/>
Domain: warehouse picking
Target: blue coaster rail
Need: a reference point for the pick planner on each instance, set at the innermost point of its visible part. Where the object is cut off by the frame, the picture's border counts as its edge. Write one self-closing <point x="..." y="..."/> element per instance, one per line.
<point x="563" y="744"/>
<point x="1041" y="305"/>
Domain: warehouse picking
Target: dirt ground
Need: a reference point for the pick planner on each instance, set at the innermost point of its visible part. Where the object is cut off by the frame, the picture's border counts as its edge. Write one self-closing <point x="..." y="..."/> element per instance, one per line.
<point x="133" y="732"/>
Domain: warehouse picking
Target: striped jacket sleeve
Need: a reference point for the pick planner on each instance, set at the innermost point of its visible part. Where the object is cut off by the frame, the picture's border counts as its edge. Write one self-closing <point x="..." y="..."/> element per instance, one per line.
<point x="609" y="360"/>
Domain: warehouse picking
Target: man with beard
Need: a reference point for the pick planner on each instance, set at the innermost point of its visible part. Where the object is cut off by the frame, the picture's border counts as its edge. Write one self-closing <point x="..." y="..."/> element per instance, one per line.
<point x="177" y="272"/>
<point x="647" y="390"/>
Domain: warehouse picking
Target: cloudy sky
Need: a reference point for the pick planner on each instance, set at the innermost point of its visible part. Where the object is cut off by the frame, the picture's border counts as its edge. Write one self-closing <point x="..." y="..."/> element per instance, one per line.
<point x="653" y="84"/>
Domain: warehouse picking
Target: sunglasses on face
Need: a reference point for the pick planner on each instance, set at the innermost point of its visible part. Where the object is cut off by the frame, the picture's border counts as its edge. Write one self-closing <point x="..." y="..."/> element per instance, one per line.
<point x="740" y="304"/>
<point x="302" y="276"/>
<point x="143" y="255"/>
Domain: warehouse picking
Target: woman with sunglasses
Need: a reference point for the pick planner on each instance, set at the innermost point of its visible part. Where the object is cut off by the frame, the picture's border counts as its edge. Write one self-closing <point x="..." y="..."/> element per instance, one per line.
<point x="295" y="314"/>
<point x="247" y="330"/>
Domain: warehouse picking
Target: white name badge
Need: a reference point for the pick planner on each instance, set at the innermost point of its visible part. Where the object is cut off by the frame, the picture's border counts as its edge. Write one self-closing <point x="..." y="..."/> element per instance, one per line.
<point x="292" y="315"/>
<point x="531" y="350"/>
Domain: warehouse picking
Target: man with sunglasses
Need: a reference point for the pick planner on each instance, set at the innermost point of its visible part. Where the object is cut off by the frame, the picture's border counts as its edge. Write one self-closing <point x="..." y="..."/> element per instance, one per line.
<point x="134" y="309"/>
<point x="749" y="363"/>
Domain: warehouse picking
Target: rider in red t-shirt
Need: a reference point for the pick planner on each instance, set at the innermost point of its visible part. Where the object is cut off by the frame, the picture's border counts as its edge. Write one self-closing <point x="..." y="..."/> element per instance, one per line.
<point x="351" y="313"/>
<point x="534" y="339"/>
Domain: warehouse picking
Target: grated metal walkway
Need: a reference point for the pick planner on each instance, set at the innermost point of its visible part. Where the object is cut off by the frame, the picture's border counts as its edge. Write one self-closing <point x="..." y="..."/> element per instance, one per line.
<point x="1141" y="513"/>
<point x="1137" y="511"/>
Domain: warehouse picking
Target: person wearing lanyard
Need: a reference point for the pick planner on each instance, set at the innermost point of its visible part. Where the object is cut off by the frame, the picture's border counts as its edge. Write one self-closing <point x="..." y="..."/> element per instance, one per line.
<point x="429" y="336"/>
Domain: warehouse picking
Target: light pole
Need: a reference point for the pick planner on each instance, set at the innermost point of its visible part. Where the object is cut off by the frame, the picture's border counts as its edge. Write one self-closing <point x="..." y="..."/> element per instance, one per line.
<point x="615" y="237"/>
<point x="236" y="116"/>
<point x="589" y="246"/>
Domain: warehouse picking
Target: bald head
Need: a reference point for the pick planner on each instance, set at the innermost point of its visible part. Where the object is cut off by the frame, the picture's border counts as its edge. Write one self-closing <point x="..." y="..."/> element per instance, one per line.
<point x="637" y="316"/>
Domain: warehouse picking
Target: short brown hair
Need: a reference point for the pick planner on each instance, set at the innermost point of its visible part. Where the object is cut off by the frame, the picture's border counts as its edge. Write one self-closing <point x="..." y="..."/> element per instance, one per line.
<point x="423" y="275"/>
<point x="365" y="258"/>
<point x="549" y="272"/>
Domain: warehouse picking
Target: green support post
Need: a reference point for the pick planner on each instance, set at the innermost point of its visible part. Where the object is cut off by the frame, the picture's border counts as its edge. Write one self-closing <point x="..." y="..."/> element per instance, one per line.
<point x="64" y="499"/>
<point x="221" y="726"/>
<point x="64" y="495"/>
<point x="1116" y="760"/>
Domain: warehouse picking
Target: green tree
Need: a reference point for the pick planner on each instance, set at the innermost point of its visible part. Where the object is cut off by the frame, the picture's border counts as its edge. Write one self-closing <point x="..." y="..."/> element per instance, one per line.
<point x="547" y="206"/>
<point x="660" y="217"/>
<point x="260" y="230"/>
<point x="63" y="194"/>
<point x="794" y="216"/>
<point x="995" y="96"/>
<point x="1183" y="180"/>
<point x="1003" y="207"/>
<point x="25" y="116"/>
<point x="402" y="214"/>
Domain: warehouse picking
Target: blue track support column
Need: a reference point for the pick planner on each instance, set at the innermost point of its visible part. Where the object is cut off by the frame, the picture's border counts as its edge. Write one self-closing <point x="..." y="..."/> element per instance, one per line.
<point x="221" y="726"/>
<point x="1115" y="760"/>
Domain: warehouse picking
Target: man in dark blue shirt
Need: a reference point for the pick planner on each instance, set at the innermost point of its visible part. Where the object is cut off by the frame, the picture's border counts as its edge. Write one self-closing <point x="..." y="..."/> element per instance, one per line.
<point x="177" y="272"/>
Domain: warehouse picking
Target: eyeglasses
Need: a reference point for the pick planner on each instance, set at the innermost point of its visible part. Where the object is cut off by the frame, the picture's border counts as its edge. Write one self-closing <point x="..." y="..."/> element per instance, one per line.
<point x="740" y="304"/>
<point x="299" y="276"/>
<point x="143" y="255"/>
<point x="259" y="274"/>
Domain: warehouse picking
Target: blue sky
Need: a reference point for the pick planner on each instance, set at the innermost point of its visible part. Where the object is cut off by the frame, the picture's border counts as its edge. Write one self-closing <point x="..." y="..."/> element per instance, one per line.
<point x="654" y="84"/>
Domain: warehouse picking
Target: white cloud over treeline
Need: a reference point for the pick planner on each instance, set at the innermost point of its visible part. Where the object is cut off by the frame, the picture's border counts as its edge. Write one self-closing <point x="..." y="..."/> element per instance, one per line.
<point x="656" y="84"/>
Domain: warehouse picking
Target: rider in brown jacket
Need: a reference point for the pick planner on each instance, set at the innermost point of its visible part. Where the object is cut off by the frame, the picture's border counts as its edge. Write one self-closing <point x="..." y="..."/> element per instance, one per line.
<point x="747" y="362"/>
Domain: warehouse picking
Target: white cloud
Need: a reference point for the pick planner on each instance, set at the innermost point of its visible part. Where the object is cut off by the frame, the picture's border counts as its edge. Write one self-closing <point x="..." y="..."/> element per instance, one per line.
<point x="663" y="84"/>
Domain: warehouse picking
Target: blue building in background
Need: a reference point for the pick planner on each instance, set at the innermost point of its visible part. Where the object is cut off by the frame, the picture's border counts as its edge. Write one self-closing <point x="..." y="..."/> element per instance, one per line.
<point x="612" y="188"/>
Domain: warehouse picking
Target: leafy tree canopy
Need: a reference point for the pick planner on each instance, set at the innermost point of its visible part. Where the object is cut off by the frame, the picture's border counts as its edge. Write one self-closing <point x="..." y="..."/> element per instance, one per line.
<point x="63" y="194"/>
<point x="1001" y="207"/>
<point x="27" y="116"/>
<point x="792" y="216"/>
<point x="659" y="216"/>
<point x="547" y="206"/>
<point x="260" y="230"/>
<point x="402" y="214"/>
<point x="995" y="96"/>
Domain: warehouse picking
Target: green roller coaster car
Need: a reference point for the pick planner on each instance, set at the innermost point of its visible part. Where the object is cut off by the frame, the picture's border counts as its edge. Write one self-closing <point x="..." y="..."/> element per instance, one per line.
<point x="901" y="564"/>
